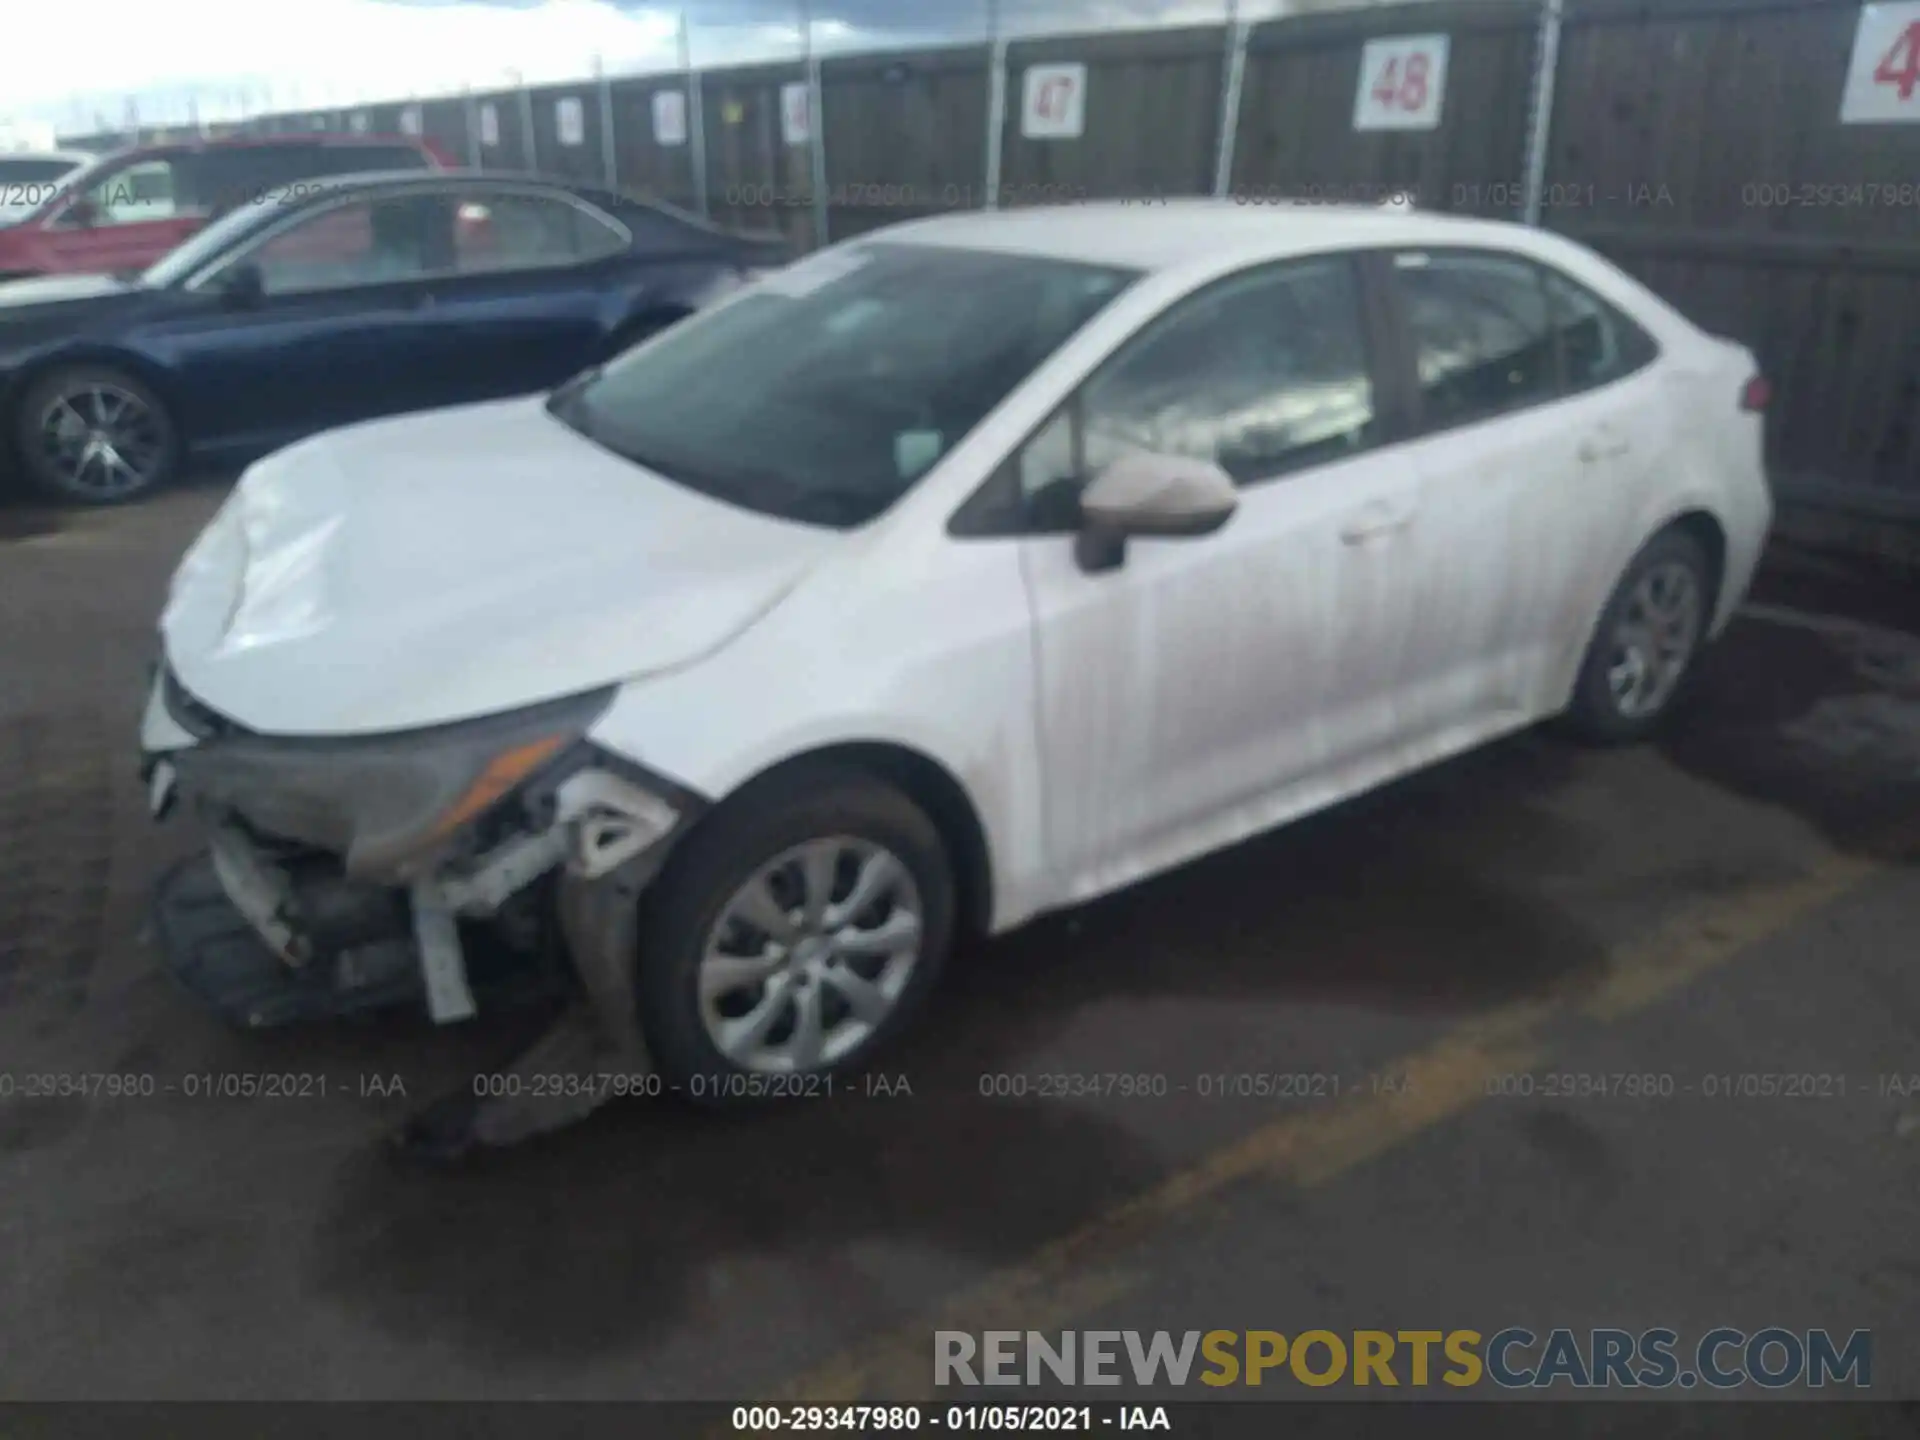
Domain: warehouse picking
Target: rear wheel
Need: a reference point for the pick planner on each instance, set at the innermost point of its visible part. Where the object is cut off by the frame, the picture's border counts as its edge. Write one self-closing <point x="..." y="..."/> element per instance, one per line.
<point x="1643" y="651"/>
<point x="94" y="435"/>
<point x="795" y="933"/>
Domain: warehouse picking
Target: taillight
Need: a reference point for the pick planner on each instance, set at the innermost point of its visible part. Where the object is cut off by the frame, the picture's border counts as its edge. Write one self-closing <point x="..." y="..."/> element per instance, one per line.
<point x="1757" y="395"/>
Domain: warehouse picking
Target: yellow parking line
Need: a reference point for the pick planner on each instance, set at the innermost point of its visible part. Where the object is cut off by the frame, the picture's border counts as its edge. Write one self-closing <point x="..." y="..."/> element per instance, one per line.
<point x="1081" y="1271"/>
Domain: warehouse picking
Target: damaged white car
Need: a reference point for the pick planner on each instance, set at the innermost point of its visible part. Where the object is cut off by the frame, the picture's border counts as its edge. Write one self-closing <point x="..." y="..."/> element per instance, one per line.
<point x="963" y="572"/>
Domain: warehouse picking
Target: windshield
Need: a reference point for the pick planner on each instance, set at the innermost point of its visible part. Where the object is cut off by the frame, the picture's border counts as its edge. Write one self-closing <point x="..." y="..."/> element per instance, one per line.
<point x="824" y="393"/>
<point x="185" y="258"/>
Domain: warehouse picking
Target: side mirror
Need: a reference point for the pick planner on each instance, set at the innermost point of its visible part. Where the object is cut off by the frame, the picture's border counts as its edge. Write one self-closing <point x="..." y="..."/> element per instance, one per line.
<point x="1144" y="496"/>
<point x="82" y="214"/>
<point x="243" y="285"/>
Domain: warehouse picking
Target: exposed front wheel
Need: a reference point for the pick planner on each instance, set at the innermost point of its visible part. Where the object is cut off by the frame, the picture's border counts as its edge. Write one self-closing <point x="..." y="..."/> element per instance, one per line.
<point x="93" y="435"/>
<point x="1648" y="637"/>
<point x="794" y="934"/>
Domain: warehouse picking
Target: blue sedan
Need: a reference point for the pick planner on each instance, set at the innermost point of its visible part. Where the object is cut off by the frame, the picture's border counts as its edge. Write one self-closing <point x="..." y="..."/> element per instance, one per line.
<point x="315" y="306"/>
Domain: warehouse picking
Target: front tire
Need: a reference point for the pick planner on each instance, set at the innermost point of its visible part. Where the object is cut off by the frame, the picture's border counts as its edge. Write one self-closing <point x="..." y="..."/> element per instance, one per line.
<point x="94" y="435"/>
<point x="1642" y="652"/>
<point x="793" y="935"/>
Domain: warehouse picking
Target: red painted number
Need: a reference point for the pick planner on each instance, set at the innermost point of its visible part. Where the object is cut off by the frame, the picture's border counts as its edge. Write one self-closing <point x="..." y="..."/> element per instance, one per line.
<point x="1402" y="88"/>
<point x="1051" y="103"/>
<point x="1901" y="65"/>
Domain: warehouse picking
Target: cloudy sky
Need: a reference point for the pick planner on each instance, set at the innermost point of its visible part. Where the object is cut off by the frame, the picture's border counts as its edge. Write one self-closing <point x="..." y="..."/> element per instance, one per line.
<point x="243" y="56"/>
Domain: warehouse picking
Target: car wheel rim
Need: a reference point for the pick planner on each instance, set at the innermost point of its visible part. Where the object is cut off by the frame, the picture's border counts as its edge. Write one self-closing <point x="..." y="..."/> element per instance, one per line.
<point x="810" y="956"/>
<point x="102" y="441"/>
<point x="1654" y="640"/>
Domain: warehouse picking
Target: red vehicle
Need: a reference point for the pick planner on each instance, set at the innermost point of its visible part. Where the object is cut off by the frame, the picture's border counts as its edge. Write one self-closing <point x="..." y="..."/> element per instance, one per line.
<point x="129" y="208"/>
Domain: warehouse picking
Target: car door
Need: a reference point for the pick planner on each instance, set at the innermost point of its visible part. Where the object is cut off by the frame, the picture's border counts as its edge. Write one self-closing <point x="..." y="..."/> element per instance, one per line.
<point x="125" y="220"/>
<point x="336" y="334"/>
<point x="1207" y="687"/>
<point x="1515" y="494"/>
<point x="528" y="300"/>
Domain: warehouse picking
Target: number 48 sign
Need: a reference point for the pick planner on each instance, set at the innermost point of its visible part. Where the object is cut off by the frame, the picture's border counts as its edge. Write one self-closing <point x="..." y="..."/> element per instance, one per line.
<point x="1883" y="82"/>
<point x="1403" y="81"/>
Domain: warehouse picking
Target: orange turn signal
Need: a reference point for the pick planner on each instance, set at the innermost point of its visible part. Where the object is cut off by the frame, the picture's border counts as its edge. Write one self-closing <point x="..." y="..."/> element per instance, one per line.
<point x="503" y="772"/>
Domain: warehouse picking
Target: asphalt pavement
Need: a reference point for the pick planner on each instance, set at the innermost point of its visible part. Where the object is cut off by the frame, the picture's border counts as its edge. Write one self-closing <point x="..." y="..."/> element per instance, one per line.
<point x="1309" y="1083"/>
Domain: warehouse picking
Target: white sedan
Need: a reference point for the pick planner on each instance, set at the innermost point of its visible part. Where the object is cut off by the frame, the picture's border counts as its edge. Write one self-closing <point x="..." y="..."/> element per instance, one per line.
<point x="962" y="572"/>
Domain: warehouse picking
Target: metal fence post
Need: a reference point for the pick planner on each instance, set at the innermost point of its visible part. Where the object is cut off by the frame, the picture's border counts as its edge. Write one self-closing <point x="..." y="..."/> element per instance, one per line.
<point x="1546" y="67"/>
<point x="996" y="102"/>
<point x="526" y="122"/>
<point x="469" y="120"/>
<point x="609" y="161"/>
<point x="816" y="134"/>
<point x="1233" y="81"/>
<point x="695" y="91"/>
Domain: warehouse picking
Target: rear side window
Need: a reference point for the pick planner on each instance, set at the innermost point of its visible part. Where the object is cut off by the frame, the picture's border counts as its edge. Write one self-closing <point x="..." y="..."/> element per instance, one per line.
<point x="1597" y="343"/>
<point x="1482" y="337"/>
<point x="506" y="231"/>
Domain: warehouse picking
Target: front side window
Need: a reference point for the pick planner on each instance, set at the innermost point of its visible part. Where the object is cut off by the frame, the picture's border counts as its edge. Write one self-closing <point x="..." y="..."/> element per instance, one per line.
<point x="1264" y="374"/>
<point x="826" y="391"/>
<point x="506" y="231"/>
<point x="132" y="195"/>
<point x="1482" y="340"/>
<point x="367" y="242"/>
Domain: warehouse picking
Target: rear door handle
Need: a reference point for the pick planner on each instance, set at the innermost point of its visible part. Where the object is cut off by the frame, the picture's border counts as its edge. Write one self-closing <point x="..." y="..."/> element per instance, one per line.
<point x="1602" y="447"/>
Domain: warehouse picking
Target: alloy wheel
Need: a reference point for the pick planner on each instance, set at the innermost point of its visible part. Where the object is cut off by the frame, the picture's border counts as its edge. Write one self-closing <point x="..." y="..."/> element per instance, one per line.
<point x="1654" y="639"/>
<point x="810" y="956"/>
<point x="101" y="441"/>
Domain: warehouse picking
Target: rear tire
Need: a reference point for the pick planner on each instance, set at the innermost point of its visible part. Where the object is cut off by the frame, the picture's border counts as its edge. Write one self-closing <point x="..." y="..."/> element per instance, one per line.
<point x="822" y="892"/>
<point x="1643" y="650"/>
<point x="94" y="435"/>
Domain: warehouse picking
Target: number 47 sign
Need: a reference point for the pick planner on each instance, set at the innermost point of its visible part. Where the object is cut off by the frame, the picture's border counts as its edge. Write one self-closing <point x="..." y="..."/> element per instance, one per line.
<point x="1883" y="82"/>
<point x="1403" y="81"/>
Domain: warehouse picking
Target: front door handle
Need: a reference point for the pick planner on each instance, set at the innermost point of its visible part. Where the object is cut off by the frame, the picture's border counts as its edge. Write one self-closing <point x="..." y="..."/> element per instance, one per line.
<point x="1602" y="447"/>
<point x="1374" y="520"/>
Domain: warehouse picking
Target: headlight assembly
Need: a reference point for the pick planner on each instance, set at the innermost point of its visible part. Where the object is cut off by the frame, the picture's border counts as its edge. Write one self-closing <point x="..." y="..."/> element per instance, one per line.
<point x="394" y="805"/>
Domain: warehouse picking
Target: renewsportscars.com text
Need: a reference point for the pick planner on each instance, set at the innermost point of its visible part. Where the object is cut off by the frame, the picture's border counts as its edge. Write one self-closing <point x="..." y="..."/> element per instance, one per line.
<point x="1513" y="1358"/>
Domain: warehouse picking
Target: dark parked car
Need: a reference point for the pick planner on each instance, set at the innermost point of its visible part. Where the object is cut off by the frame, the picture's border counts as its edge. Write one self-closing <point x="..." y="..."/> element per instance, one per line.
<point x="375" y="295"/>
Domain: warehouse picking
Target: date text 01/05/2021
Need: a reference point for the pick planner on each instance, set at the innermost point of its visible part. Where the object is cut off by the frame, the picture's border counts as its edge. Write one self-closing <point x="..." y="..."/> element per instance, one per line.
<point x="907" y="1419"/>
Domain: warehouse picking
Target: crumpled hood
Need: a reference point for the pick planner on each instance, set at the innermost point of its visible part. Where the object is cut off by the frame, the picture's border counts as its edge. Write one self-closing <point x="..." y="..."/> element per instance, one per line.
<point x="438" y="567"/>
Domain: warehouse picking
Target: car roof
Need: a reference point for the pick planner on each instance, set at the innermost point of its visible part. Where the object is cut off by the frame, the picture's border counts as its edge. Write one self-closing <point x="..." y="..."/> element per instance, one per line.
<point x="1167" y="234"/>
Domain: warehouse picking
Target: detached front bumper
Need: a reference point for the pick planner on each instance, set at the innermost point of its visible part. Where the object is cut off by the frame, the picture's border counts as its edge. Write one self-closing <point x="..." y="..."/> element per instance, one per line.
<point x="318" y="895"/>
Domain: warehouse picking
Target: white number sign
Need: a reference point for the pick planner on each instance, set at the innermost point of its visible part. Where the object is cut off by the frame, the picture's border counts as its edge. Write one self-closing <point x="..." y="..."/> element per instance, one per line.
<point x="796" y="113"/>
<point x="570" y="121"/>
<point x="670" y="117"/>
<point x="489" y="125"/>
<point x="1403" y="82"/>
<point x="410" y="120"/>
<point x="1053" y="102"/>
<point x="1883" y="82"/>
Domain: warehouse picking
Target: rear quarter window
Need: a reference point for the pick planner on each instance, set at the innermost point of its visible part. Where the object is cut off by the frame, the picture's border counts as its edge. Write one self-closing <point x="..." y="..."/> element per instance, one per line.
<point x="1598" y="344"/>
